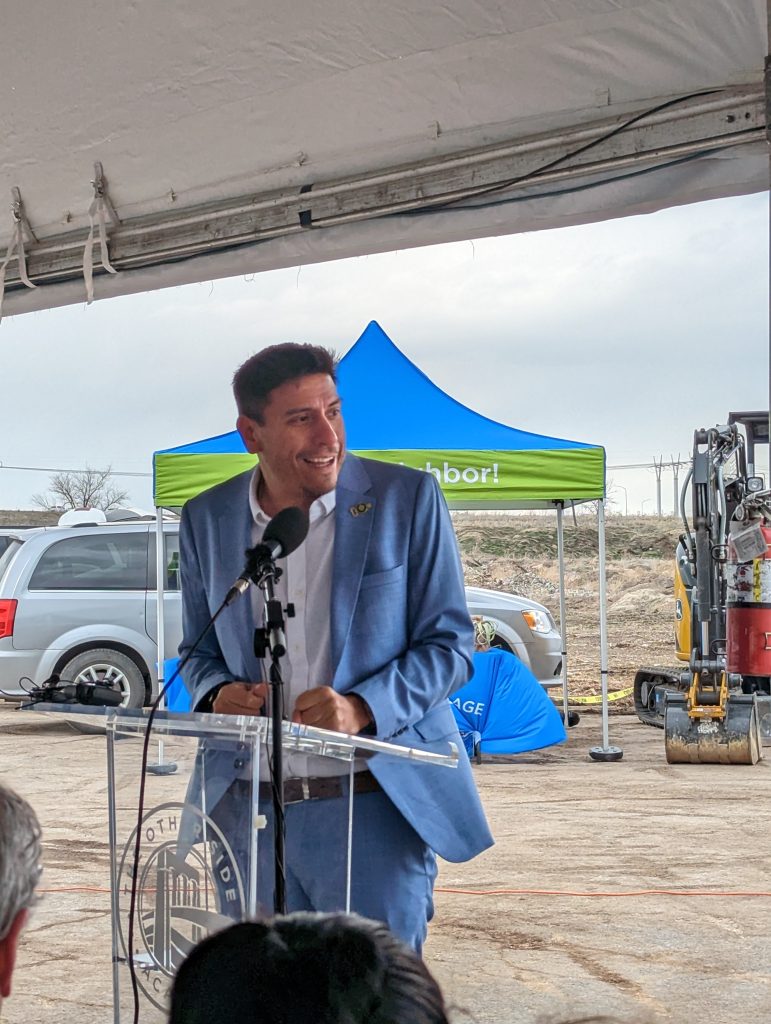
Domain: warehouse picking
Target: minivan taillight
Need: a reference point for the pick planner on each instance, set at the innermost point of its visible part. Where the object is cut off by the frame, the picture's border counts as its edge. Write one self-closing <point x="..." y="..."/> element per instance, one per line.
<point x="7" y="615"/>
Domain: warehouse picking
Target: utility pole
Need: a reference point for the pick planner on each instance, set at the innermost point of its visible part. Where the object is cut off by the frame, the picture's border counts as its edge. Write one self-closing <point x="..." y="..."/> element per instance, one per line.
<point x="658" y="467"/>
<point x="675" y="476"/>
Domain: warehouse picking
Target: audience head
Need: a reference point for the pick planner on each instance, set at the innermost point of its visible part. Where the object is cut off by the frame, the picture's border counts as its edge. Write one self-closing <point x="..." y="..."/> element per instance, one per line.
<point x="306" y="969"/>
<point x="19" y="874"/>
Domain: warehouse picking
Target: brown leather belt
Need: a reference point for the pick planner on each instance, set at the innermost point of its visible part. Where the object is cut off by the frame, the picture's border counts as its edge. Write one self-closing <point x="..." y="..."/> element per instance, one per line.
<point x="320" y="788"/>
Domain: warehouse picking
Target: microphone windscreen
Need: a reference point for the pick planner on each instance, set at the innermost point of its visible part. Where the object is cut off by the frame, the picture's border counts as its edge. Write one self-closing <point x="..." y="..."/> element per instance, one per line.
<point x="289" y="529"/>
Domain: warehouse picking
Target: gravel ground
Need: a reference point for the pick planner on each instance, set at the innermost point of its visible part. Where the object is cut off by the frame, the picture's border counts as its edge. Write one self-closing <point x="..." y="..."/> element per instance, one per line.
<point x="570" y="925"/>
<point x="551" y="947"/>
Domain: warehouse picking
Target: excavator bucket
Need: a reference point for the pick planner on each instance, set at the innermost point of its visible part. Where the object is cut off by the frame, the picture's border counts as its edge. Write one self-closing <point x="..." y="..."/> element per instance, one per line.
<point x="734" y="739"/>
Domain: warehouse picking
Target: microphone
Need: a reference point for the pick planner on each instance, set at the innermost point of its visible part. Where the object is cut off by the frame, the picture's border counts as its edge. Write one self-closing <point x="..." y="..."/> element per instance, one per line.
<point x="284" y="533"/>
<point x="95" y="694"/>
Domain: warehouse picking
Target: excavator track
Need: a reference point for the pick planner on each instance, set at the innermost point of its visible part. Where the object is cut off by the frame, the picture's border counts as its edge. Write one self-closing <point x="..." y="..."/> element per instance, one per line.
<point x="650" y="687"/>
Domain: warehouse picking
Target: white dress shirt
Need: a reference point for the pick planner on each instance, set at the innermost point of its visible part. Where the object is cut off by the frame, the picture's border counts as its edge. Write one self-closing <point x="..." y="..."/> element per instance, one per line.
<point x="306" y="582"/>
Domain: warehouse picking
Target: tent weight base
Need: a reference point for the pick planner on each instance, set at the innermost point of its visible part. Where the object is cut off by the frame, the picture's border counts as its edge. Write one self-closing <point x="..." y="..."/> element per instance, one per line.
<point x="573" y="718"/>
<point x="606" y="753"/>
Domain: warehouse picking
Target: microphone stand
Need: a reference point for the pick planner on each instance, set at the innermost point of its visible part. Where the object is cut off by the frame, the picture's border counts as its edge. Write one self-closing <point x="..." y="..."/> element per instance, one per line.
<point x="270" y="640"/>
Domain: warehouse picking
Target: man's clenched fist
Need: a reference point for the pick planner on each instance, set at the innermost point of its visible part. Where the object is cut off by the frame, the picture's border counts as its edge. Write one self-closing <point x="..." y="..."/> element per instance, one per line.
<point x="327" y="709"/>
<point x="240" y="699"/>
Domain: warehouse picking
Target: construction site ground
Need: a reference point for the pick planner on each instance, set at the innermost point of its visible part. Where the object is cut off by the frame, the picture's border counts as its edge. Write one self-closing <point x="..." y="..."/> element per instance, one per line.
<point x="634" y="889"/>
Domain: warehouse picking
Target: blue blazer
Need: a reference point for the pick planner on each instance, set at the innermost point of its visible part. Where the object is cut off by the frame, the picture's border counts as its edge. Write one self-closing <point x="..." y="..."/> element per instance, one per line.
<point x="401" y="636"/>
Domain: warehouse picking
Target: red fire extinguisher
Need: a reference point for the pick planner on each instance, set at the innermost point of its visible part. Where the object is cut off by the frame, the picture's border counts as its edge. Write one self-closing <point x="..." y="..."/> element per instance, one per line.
<point x="748" y="606"/>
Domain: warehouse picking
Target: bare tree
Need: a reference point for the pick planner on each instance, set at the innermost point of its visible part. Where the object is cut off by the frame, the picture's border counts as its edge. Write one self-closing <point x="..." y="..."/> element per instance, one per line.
<point x="88" y="488"/>
<point x="591" y="508"/>
<point x="612" y="503"/>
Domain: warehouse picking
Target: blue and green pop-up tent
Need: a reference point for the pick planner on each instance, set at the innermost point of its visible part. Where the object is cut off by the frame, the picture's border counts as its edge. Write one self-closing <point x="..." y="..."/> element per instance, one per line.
<point x="394" y="412"/>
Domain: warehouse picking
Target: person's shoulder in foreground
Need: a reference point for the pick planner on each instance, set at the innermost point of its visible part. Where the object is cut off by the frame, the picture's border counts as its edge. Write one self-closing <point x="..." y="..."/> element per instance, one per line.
<point x="306" y="969"/>
<point x="19" y="874"/>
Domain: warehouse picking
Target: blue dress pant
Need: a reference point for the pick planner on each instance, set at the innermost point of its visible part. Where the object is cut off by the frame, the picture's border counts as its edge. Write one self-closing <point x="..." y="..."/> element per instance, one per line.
<point x="392" y="869"/>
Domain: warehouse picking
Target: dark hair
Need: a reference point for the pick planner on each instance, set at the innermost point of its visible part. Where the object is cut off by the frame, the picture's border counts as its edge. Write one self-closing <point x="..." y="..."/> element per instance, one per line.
<point x="261" y="373"/>
<point x="306" y="969"/>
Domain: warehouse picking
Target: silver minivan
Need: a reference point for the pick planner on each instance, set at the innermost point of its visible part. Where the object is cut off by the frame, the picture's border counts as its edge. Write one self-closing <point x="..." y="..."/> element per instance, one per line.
<point x="81" y="602"/>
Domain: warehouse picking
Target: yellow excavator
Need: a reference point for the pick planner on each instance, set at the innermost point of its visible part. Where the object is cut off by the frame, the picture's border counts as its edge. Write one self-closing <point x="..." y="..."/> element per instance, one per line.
<point x="718" y="709"/>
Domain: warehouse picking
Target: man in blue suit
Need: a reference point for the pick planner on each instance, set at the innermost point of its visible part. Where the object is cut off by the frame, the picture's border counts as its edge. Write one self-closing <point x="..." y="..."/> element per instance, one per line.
<point x="381" y="637"/>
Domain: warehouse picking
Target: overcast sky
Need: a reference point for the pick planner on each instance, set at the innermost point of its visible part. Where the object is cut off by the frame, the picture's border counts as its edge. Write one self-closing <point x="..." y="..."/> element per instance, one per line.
<point x="628" y="334"/>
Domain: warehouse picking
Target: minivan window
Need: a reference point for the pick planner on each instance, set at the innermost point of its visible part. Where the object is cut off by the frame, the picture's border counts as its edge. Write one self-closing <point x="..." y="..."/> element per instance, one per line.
<point x="171" y="558"/>
<point x="105" y="561"/>
<point x="11" y="548"/>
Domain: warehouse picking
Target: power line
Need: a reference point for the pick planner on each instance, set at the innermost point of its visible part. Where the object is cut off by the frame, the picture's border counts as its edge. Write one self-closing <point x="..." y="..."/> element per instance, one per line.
<point x="123" y="472"/>
<point x="646" y="465"/>
<point x="58" y="469"/>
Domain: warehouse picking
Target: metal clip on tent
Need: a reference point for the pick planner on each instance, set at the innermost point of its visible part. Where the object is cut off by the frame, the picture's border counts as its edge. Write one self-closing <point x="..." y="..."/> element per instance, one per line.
<point x="101" y="207"/>
<point x="16" y="245"/>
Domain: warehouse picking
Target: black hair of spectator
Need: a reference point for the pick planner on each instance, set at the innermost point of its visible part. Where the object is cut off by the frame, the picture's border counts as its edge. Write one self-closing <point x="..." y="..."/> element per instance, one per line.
<point x="306" y="969"/>
<point x="263" y="372"/>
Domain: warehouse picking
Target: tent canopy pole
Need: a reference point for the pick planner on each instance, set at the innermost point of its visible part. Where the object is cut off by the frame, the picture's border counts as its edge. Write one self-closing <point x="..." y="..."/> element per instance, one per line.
<point x="563" y="610"/>
<point x="606" y="752"/>
<point x="161" y="767"/>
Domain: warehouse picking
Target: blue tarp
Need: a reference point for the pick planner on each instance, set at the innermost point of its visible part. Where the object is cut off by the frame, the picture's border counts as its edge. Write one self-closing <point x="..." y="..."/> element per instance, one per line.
<point x="504" y="708"/>
<point x="177" y="696"/>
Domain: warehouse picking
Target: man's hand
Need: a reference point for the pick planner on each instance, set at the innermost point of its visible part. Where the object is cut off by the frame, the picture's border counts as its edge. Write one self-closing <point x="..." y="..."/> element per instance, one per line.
<point x="240" y="699"/>
<point x="327" y="709"/>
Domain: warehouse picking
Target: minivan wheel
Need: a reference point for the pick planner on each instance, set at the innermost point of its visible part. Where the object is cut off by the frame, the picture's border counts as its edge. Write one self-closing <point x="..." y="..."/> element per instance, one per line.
<point x="109" y="668"/>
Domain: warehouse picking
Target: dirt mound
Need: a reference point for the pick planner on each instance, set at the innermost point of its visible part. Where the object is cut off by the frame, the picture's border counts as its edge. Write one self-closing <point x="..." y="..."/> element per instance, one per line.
<point x="516" y="536"/>
<point x="640" y="601"/>
<point x="518" y="554"/>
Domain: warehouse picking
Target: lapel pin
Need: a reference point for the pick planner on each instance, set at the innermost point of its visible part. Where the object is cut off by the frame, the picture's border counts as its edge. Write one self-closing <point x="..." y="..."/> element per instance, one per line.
<point x="360" y="509"/>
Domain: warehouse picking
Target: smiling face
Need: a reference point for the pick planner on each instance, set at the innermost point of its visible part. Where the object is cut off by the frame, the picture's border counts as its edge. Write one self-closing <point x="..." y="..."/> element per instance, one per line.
<point x="300" y="442"/>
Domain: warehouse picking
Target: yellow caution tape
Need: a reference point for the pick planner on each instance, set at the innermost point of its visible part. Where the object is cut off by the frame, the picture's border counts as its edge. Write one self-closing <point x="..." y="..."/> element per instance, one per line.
<point x="616" y="695"/>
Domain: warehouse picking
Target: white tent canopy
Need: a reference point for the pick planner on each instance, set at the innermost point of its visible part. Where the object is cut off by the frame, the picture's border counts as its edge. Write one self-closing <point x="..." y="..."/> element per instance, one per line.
<point x="248" y="135"/>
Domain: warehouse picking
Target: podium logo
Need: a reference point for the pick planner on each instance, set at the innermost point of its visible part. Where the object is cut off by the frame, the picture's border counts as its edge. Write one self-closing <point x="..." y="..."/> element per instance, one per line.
<point x="188" y="886"/>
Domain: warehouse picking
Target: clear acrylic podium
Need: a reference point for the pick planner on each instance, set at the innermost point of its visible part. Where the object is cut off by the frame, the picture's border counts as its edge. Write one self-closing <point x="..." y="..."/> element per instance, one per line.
<point x="206" y="849"/>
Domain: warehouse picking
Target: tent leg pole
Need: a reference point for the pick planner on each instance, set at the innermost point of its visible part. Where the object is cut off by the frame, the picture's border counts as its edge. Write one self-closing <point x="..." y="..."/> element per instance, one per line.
<point x="606" y="752"/>
<point x="563" y="611"/>
<point x="767" y="81"/>
<point x="161" y="767"/>
<point x="160" y="577"/>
